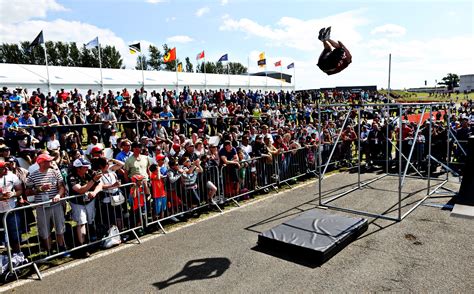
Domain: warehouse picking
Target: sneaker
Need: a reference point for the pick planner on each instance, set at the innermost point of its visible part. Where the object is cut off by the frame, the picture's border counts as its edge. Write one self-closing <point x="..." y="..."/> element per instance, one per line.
<point x="321" y="32"/>
<point x="327" y="34"/>
<point x="63" y="249"/>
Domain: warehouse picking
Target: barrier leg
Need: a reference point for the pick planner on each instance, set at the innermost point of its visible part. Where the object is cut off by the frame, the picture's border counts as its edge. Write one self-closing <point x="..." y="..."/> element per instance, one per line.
<point x="40" y="277"/>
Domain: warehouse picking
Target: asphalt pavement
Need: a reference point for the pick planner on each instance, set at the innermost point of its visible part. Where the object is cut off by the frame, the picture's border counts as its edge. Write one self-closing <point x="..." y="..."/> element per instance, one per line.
<point x="428" y="251"/>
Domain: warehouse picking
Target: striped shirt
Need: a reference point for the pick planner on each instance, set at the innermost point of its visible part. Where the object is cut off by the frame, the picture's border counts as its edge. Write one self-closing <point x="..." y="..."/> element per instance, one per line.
<point x="36" y="179"/>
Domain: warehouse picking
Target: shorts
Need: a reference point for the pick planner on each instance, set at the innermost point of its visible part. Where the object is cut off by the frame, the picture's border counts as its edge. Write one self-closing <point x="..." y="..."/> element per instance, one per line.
<point x="13" y="227"/>
<point x="46" y="215"/>
<point x="83" y="214"/>
<point x="330" y="59"/>
<point x="210" y="186"/>
<point x="160" y="204"/>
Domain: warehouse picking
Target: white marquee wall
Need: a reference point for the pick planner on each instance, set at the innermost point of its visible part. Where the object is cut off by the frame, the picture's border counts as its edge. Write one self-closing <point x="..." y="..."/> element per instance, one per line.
<point x="35" y="76"/>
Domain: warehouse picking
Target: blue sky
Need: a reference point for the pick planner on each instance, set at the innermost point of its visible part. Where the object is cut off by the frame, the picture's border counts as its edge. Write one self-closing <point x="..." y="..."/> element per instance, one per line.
<point x="421" y="35"/>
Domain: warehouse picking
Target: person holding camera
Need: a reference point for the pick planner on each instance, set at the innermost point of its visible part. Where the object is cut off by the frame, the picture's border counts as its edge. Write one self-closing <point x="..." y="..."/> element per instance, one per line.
<point x="10" y="191"/>
<point x="191" y="169"/>
<point x="86" y="185"/>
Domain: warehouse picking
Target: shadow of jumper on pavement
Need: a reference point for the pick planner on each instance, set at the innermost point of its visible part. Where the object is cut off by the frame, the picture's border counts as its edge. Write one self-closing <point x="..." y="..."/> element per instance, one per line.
<point x="198" y="269"/>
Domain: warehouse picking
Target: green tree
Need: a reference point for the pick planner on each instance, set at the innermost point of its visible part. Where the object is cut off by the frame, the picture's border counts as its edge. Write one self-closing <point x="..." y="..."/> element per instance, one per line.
<point x="74" y="57"/>
<point x="236" y="68"/>
<point x="86" y="58"/>
<point x="141" y="62"/>
<point x="155" y="59"/>
<point x="62" y="51"/>
<point x="11" y="53"/>
<point x="189" y="65"/>
<point x="451" y="81"/>
<point x="111" y="57"/>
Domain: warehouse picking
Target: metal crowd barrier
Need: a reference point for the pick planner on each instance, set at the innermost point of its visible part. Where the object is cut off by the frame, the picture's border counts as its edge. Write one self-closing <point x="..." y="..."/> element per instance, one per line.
<point x="214" y="187"/>
<point x="124" y="217"/>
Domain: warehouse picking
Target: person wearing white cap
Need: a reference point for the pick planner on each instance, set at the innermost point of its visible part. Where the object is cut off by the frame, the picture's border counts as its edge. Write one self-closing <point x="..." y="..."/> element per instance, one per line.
<point x="86" y="186"/>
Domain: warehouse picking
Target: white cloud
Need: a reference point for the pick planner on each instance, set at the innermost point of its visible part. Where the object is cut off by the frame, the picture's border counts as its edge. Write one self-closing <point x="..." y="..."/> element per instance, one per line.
<point x="201" y="11"/>
<point x="155" y="1"/>
<point x="179" y="39"/>
<point x="297" y="33"/>
<point x="22" y="10"/>
<point x="224" y="2"/>
<point x="69" y="31"/>
<point x="391" y="30"/>
<point x="170" y="19"/>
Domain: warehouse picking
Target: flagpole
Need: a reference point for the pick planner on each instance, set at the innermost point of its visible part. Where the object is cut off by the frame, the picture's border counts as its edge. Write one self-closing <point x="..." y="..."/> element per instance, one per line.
<point x="177" y="81"/>
<point x="100" y="66"/>
<point x="266" y="77"/>
<point x="294" y="78"/>
<point x="205" y="78"/>
<point x="248" y="70"/>
<point x="281" y="77"/>
<point x="47" y="69"/>
<point x="228" y="75"/>
<point x="143" y="75"/>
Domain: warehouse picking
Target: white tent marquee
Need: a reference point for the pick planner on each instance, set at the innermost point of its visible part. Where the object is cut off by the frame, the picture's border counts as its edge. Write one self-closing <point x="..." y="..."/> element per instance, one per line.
<point x="35" y="76"/>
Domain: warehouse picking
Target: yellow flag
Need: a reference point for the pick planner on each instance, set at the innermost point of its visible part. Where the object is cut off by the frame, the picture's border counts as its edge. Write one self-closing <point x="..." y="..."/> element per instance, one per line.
<point x="180" y="67"/>
<point x="261" y="56"/>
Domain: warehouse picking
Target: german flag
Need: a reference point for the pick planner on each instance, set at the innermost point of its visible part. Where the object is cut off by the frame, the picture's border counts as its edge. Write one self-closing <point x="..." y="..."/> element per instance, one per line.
<point x="170" y="56"/>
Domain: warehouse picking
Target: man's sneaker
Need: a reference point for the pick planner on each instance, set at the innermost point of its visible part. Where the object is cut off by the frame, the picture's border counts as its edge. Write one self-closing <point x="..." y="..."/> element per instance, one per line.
<point x="327" y="34"/>
<point x="64" y="251"/>
<point x="321" y="33"/>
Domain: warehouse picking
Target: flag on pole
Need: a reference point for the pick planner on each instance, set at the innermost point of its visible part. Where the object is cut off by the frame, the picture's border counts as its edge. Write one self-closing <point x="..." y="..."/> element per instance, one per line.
<point x="200" y="55"/>
<point x="278" y="63"/>
<point x="180" y="67"/>
<point x="134" y="48"/>
<point x="261" y="59"/>
<point x="291" y="65"/>
<point x="170" y="56"/>
<point x="37" y="41"/>
<point x="93" y="43"/>
<point x="224" y="57"/>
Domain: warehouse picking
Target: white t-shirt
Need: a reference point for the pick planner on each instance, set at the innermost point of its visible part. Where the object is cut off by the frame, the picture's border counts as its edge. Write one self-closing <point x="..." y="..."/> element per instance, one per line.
<point x="7" y="184"/>
<point x="108" y="179"/>
<point x="53" y="145"/>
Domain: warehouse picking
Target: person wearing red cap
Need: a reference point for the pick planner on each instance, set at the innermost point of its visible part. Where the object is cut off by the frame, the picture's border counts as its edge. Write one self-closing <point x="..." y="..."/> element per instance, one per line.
<point x="11" y="189"/>
<point x="96" y="152"/>
<point x="47" y="185"/>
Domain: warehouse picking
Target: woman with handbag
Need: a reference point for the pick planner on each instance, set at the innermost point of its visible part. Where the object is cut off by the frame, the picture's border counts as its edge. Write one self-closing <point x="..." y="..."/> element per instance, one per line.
<point x="111" y="203"/>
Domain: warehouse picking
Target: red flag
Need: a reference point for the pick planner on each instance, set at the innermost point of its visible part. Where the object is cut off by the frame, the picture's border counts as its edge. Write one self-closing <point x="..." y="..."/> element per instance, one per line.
<point x="170" y="56"/>
<point x="200" y="55"/>
<point x="278" y="63"/>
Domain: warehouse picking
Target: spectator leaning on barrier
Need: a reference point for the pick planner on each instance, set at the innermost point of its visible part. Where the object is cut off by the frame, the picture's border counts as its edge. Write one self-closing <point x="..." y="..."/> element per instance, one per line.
<point x="82" y="183"/>
<point x="11" y="190"/>
<point x="138" y="164"/>
<point x="229" y="159"/>
<point x="46" y="184"/>
<point x="158" y="174"/>
<point x="113" y="197"/>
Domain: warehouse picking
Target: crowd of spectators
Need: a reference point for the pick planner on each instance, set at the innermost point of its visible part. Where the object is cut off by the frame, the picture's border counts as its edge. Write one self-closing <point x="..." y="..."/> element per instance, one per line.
<point x="172" y="146"/>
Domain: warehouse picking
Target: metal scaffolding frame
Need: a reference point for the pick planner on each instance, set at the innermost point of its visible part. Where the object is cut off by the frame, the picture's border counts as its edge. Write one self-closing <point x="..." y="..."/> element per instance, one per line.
<point x="402" y="173"/>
